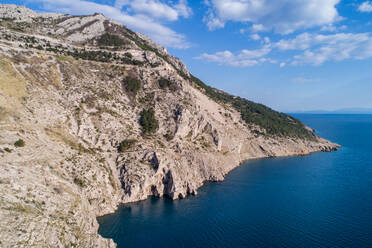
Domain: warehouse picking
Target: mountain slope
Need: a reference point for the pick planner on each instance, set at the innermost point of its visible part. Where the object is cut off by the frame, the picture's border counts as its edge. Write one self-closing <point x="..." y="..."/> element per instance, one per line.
<point x="109" y="117"/>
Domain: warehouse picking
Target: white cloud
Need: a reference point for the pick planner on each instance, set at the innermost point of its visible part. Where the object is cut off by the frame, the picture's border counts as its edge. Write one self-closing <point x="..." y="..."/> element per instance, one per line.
<point x="301" y="41"/>
<point x="258" y="28"/>
<point x="183" y="9"/>
<point x="365" y="7"/>
<point x="313" y="49"/>
<point x="329" y="28"/>
<point x="213" y="22"/>
<point x="156" y="31"/>
<point x="255" y="37"/>
<point x="120" y="3"/>
<point x="332" y="28"/>
<point x="268" y="14"/>
<point x="139" y="20"/>
<point x="318" y="49"/>
<point x="302" y="80"/>
<point x="156" y="9"/>
<point x="245" y="58"/>
<point x="267" y="40"/>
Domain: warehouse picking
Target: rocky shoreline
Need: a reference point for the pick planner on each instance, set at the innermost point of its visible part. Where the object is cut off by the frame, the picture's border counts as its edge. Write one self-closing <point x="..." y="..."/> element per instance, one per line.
<point x="326" y="148"/>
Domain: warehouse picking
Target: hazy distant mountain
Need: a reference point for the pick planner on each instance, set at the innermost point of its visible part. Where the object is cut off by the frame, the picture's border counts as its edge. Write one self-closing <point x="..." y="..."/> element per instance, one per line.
<point x="339" y="111"/>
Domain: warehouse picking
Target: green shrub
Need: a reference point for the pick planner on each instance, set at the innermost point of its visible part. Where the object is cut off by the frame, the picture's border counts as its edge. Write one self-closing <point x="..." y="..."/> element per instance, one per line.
<point x="19" y="143"/>
<point x="161" y="144"/>
<point x="128" y="61"/>
<point x="137" y="62"/>
<point x="166" y="84"/>
<point x="148" y="121"/>
<point x="129" y="55"/>
<point x="132" y="85"/>
<point x="110" y="40"/>
<point x="168" y="136"/>
<point x="154" y="65"/>
<point x="79" y="181"/>
<point x="100" y="56"/>
<point x="7" y="149"/>
<point x="126" y="144"/>
<point x="147" y="99"/>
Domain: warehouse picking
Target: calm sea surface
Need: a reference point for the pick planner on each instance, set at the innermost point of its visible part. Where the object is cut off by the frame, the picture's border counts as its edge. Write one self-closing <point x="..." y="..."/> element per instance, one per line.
<point x="322" y="200"/>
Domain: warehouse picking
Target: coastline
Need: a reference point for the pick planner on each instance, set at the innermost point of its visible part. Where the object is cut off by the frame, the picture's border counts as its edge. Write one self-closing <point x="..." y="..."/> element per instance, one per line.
<point x="333" y="148"/>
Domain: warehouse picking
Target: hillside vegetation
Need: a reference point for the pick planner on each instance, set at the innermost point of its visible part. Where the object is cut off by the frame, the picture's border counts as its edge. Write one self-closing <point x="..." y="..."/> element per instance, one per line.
<point x="273" y="122"/>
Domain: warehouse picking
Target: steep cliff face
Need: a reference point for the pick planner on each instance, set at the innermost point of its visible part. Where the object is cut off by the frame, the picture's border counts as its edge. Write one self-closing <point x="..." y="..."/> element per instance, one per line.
<point x="109" y="117"/>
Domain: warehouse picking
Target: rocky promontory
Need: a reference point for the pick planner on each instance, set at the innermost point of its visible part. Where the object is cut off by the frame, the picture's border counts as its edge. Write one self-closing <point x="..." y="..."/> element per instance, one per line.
<point x="93" y="115"/>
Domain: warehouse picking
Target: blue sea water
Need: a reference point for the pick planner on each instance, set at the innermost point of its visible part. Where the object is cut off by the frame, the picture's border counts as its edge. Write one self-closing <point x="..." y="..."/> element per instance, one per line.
<point x="321" y="200"/>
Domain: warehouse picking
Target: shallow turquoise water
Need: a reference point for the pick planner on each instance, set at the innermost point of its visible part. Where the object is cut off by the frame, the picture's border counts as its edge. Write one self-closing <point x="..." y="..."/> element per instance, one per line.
<point x="322" y="200"/>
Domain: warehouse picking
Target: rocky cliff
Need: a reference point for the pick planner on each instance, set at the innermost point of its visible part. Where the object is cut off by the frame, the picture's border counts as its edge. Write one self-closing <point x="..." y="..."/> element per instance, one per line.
<point x="93" y="115"/>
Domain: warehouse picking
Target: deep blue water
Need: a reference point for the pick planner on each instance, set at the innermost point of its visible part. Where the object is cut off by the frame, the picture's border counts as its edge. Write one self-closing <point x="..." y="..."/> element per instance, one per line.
<point x="321" y="200"/>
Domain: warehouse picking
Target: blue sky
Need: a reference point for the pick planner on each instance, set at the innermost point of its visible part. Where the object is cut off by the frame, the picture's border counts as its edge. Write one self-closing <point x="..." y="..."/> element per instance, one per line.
<point x="288" y="54"/>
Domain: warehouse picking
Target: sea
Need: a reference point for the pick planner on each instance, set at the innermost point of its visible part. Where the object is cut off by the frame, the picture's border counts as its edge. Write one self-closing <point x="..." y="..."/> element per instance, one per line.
<point x="320" y="200"/>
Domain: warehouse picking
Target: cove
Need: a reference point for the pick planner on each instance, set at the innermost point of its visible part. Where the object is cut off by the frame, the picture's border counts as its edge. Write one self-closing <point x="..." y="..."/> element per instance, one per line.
<point x="321" y="200"/>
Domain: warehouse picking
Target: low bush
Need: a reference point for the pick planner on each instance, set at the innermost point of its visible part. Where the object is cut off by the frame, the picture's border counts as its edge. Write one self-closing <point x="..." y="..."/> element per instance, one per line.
<point x="110" y="40"/>
<point x="131" y="85"/>
<point x="148" y="121"/>
<point x="19" y="143"/>
<point x="168" y="136"/>
<point x="166" y="84"/>
<point x="80" y="182"/>
<point x="126" y="144"/>
<point x="129" y="55"/>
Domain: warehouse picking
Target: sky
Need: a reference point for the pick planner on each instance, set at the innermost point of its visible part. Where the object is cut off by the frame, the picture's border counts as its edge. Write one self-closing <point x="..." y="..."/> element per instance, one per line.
<point x="292" y="55"/>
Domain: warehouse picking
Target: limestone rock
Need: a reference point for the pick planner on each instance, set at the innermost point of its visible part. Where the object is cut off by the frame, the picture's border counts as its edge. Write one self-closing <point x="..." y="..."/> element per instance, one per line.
<point x="69" y="100"/>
